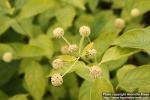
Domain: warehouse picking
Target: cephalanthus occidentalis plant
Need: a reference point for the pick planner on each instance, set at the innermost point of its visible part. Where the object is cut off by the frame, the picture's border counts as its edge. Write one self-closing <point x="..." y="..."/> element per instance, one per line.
<point x="94" y="71"/>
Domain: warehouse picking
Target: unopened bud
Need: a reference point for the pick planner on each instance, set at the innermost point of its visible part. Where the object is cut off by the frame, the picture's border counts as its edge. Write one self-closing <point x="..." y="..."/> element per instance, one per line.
<point x="57" y="63"/>
<point x="84" y="31"/>
<point x="119" y="23"/>
<point x="64" y="49"/>
<point x="135" y="12"/>
<point x="7" y="57"/>
<point x="72" y="48"/>
<point x="58" y="32"/>
<point x="91" y="52"/>
<point x="95" y="72"/>
<point x="56" y="80"/>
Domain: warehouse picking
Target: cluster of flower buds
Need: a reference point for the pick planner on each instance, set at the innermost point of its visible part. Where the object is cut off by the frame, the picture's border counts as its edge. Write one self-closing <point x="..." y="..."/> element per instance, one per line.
<point x="58" y="32"/>
<point x="66" y="49"/>
<point x="135" y="12"/>
<point x="119" y="23"/>
<point x="7" y="57"/>
<point x="95" y="72"/>
<point x="56" y="80"/>
<point x="57" y="63"/>
<point x="72" y="48"/>
<point x="84" y="31"/>
<point x="91" y="53"/>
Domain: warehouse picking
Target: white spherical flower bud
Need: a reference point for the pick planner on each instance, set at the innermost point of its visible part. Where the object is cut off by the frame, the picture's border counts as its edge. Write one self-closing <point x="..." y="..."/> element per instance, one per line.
<point x="95" y="71"/>
<point x="91" y="52"/>
<point x="119" y="23"/>
<point x="135" y="12"/>
<point x="7" y="57"/>
<point x="56" y="80"/>
<point x="64" y="49"/>
<point x="85" y="31"/>
<point x="72" y="48"/>
<point x="58" y="32"/>
<point x="57" y="63"/>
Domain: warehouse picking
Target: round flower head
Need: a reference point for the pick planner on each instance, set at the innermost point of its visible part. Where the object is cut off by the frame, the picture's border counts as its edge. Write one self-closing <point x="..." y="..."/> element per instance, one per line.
<point x="84" y="31"/>
<point x="58" y="32"/>
<point x="64" y="49"/>
<point x="56" y="80"/>
<point x="119" y="23"/>
<point x="7" y="57"/>
<point x="135" y="12"/>
<point x="95" y="71"/>
<point x="91" y="52"/>
<point x="57" y="63"/>
<point x="72" y="48"/>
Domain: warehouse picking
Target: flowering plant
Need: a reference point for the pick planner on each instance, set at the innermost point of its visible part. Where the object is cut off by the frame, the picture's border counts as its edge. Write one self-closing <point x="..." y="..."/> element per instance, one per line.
<point x="73" y="49"/>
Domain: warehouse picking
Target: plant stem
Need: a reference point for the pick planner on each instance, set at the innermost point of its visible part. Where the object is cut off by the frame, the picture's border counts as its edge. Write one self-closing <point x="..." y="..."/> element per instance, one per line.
<point x="81" y="44"/>
<point x="95" y="59"/>
<point x="66" y="40"/>
<point x="71" y="66"/>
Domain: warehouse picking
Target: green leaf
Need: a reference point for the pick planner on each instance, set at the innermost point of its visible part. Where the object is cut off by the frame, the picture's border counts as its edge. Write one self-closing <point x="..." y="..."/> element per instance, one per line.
<point x="117" y="4"/>
<point x="84" y="93"/>
<point x="67" y="65"/>
<point x="4" y="24"/>
<point x="83" y="72"/>
<point x="130" y="4"/>
<point x="136" y="78"/>
<point x="67" y="58"/>
<point x="144" y="89"/>
<point x="23" y="27"/>
<point x="57" y="92"/>
<point x="93" y="90"/>
<point x="76" y="3"/>
<point x="3" y="96"/>
<point x="100" y="86"/>
<point x="87" y="48"/>
<point x="6" y="7"/>
<point x="35" y="80"/>
<point x="6" y="48"/>
<point x="20" y="50"/>
<point x="71" y="82"/>
<point x="7" y="70"/>
<point x="47" y="15"/>
<point x="34" y="7"/>
<point x="139" y="4"/>
<point x="19" y="97"/>
<point x="84" y="19"/>
<point x="102" y="24"/>
<point x="114" y="64"/>
<point x="19" y="4"/>
<point x="123" y="71"/>
<point x="43" y="42"/>
<point x="92" y="4"/>
<point x="115" y="53"/>
<point x="31" y="51"/>
<point x="65" y="16"/>
<point x="135" y="38"/>
<point x="102" y="43"/>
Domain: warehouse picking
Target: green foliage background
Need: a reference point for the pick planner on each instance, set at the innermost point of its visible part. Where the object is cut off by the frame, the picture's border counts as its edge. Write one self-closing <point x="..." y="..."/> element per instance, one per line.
<point x="26" y="31"/>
